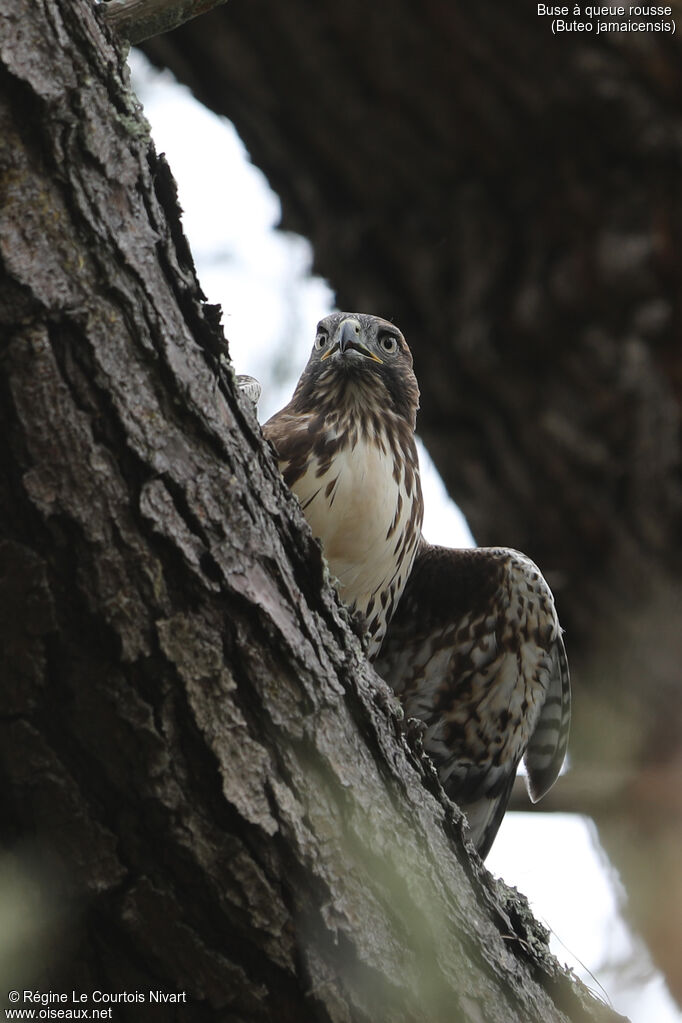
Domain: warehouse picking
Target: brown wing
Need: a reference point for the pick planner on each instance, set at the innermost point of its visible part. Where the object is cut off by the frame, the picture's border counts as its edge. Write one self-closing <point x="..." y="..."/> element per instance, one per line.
<point x="475" y="651"/>
<point x="290" y="436"/>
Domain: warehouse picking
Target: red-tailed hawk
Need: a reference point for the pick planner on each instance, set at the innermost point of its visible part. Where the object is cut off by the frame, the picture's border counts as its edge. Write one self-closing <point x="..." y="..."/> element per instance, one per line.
<point x="469" y="639"/>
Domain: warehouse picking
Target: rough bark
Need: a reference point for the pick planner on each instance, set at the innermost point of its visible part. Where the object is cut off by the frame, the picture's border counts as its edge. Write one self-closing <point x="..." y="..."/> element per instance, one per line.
<point x="200" y="773"/>
<point x="511" y="199"/>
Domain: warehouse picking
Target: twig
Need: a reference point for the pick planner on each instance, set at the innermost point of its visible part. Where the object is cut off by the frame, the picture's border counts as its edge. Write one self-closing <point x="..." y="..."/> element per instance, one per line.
<point x="136" y="20"/>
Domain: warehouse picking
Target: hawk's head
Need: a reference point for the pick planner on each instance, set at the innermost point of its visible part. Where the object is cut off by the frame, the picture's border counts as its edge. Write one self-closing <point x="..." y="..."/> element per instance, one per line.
<point x="358" y="361"/>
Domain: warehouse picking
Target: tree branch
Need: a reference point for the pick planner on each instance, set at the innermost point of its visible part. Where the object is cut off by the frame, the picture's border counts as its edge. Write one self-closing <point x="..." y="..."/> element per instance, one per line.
<point x="136" y="20"/>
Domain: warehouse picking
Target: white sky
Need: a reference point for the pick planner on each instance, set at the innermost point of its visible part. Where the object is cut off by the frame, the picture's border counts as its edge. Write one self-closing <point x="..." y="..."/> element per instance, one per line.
<point x="271" y="304"/>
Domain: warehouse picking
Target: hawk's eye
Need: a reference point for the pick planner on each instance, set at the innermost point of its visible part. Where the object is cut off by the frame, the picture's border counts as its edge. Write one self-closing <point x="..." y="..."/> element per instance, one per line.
<point x="320" y="341"/>
<point x="389" y="343"/>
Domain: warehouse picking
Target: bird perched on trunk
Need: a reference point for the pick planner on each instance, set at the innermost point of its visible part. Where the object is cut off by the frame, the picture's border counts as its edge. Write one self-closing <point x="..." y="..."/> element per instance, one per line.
<point x="469" y="639"/>
<point x="345" y="444"/>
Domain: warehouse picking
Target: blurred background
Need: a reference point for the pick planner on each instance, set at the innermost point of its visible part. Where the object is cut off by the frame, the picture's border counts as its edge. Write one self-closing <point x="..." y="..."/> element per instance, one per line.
<point x="512" y="200"/>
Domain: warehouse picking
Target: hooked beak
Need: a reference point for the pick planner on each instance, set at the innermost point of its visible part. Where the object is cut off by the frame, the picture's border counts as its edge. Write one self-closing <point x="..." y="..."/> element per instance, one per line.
<point x="349" y="340"/>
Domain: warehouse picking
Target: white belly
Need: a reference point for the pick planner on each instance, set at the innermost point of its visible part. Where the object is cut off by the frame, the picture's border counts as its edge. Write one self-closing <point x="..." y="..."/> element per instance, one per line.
<point x="358" y="510"/>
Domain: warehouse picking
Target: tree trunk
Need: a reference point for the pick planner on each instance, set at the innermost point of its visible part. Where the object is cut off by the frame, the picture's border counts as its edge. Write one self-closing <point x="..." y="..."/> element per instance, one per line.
<point x="511" y="199"/>
<point x="208" y="793"/>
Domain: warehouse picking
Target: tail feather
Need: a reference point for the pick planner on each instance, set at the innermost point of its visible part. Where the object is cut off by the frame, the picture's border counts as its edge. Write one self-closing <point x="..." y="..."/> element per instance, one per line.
<point x="546" y="750"/>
